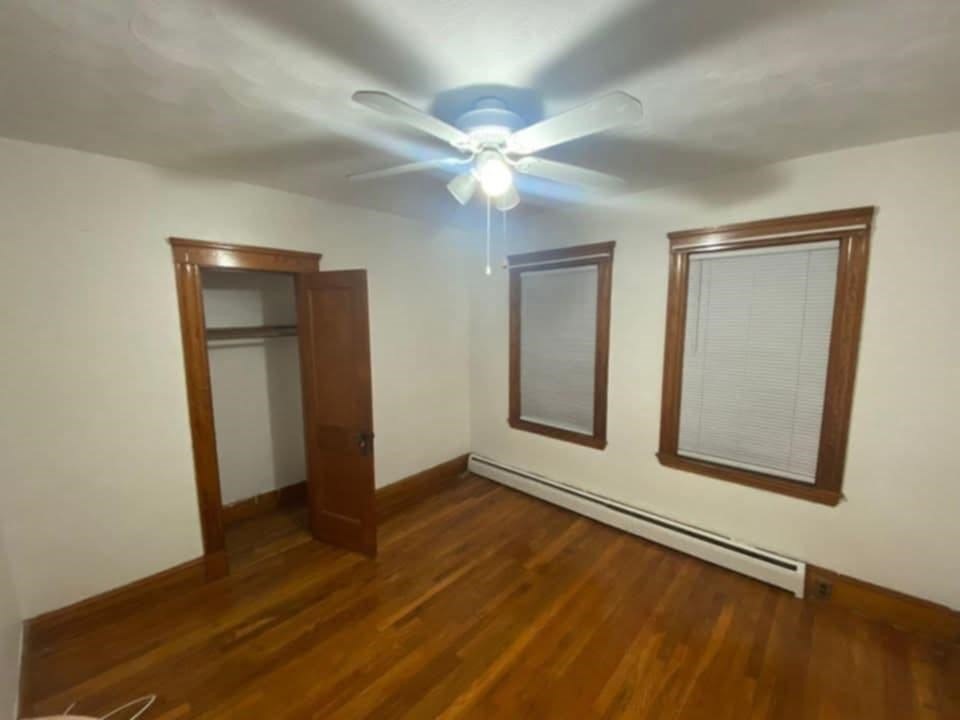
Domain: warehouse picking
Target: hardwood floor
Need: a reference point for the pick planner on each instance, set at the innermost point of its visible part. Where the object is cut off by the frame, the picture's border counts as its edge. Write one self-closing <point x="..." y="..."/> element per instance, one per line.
<point x="257" y="538"/>
<point x="485" y="603"/>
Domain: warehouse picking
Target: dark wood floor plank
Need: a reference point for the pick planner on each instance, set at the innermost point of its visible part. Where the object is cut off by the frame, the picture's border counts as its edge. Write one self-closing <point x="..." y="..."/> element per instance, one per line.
<point x="484" y="602"/>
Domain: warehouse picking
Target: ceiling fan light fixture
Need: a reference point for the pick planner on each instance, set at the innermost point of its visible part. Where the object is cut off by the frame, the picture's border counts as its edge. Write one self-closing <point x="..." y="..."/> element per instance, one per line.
<point x="494" y="174"/>
<point x="489" y="136"/>
<point x="508" y="200"/>
<point x="463" y="187"/>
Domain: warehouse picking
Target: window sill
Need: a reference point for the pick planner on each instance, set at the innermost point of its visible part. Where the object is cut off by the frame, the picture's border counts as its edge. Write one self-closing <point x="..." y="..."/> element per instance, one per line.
<point x="593" y="441"/>
<point x="751" y="479"/>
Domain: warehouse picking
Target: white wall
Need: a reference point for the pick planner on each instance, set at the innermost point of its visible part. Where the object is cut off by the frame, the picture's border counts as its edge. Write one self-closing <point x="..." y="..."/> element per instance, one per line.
<point x="11" y="630"/>
<point x="97" y="464"/>
<point x="898" y="526"/>
<point x="97" y="461"/>
<point x="257" y="405"/>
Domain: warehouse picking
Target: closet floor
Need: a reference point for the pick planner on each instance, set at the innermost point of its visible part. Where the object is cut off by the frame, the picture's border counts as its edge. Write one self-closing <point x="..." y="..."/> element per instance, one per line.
<point x="263" y="536"/>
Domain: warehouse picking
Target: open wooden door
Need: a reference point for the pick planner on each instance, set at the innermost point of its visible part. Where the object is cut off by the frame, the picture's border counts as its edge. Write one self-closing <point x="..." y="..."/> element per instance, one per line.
<point x="338" y="407"/>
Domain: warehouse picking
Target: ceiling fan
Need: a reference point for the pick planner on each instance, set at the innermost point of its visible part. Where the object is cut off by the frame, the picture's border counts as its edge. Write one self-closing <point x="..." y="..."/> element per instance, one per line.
<point x="492" y="144"/>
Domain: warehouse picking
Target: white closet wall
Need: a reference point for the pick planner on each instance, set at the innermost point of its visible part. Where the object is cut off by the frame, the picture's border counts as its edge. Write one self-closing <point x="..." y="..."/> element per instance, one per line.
<point x="256" y="384"/>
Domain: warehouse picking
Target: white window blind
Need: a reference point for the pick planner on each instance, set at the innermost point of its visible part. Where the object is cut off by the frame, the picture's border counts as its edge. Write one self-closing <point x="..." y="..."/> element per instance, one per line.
<point x="558" y="338"/>
<point x="755" y="354"/>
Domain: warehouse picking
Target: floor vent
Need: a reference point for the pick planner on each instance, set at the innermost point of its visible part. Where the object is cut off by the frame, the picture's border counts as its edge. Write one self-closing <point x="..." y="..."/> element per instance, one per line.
<point x="760" y="564"/>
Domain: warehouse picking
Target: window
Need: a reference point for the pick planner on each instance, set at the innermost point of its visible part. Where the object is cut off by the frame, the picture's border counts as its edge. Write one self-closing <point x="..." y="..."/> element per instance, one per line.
<point x="763" y="324"/>
<point x="559" y="334"/>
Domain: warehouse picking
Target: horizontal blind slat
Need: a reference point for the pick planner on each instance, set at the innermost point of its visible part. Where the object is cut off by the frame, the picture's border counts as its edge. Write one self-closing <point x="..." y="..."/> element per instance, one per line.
<point x="756" y="347"/>
<point x="558" y="328"/>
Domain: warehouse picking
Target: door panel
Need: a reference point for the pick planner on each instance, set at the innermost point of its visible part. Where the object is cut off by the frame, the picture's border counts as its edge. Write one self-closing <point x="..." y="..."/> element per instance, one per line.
<point x="338" y="407"/>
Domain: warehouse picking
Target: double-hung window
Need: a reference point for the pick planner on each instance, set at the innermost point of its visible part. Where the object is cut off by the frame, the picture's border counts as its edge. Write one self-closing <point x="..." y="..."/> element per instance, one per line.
<point x="559" y="333"/>
<point x="762" y="331"/>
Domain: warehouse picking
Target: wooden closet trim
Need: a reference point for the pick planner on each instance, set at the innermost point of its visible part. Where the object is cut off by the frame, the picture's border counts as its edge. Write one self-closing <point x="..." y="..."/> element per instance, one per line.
<point x="243" y="257"/>
<point x="189" y="256"/>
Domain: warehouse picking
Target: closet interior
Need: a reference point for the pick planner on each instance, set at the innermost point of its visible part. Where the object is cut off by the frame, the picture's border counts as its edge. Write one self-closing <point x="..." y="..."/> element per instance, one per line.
<point x="252" y="346"/>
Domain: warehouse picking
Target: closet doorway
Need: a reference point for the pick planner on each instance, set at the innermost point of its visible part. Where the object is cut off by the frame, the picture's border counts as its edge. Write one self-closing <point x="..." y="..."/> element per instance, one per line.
<point x="274" y="310"/>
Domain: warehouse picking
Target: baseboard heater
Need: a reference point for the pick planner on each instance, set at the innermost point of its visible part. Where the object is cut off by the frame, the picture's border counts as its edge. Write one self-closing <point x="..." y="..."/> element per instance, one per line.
<point x="760" y="564"/>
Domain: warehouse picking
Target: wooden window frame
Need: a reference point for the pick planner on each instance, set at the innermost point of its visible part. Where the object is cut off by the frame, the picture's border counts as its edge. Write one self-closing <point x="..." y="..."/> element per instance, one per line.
<point x="852" y="229"/>
<point x="599" y="255"/>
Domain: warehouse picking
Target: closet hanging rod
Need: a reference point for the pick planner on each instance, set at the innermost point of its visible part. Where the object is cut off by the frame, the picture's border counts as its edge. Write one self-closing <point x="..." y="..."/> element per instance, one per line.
<point x="261" y="331"/>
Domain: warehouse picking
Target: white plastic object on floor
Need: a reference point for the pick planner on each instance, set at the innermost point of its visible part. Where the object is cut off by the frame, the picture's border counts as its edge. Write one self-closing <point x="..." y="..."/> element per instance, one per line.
<point x="142" y="704"/>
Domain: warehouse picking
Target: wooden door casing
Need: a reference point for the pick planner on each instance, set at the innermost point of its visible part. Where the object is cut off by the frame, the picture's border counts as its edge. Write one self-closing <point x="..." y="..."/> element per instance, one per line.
<point x="189" y="258"/>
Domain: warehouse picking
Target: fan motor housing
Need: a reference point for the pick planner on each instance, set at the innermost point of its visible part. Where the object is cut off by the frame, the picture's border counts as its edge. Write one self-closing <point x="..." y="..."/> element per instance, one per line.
<point x="489" y="121"/>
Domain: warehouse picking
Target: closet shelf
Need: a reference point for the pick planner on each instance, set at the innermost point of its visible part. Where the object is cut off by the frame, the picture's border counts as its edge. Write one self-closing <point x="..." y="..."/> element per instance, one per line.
<point x="262" y="331"/>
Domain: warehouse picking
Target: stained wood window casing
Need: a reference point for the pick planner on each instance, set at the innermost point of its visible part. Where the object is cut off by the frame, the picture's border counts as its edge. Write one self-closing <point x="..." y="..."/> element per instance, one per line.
<point x="840" y="237"/>
<point x="559" y="340"/>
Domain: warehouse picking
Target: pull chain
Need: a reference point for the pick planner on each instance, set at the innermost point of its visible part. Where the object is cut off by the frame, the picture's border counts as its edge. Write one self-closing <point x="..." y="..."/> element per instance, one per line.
<point x="488" y="235"/>
<point x="504" y="213"/>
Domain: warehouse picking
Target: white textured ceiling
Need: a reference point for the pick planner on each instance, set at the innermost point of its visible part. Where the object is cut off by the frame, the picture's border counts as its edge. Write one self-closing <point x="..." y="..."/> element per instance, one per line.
<point x="259" y="90"/>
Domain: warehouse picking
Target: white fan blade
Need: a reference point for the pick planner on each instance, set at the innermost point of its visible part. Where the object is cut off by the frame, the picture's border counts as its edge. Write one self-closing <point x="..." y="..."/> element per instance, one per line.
<point x="614" y="110"/>
<point x="568" y="174"/>
<point x="409" y="168"/>
<point x="399" y="110"/>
